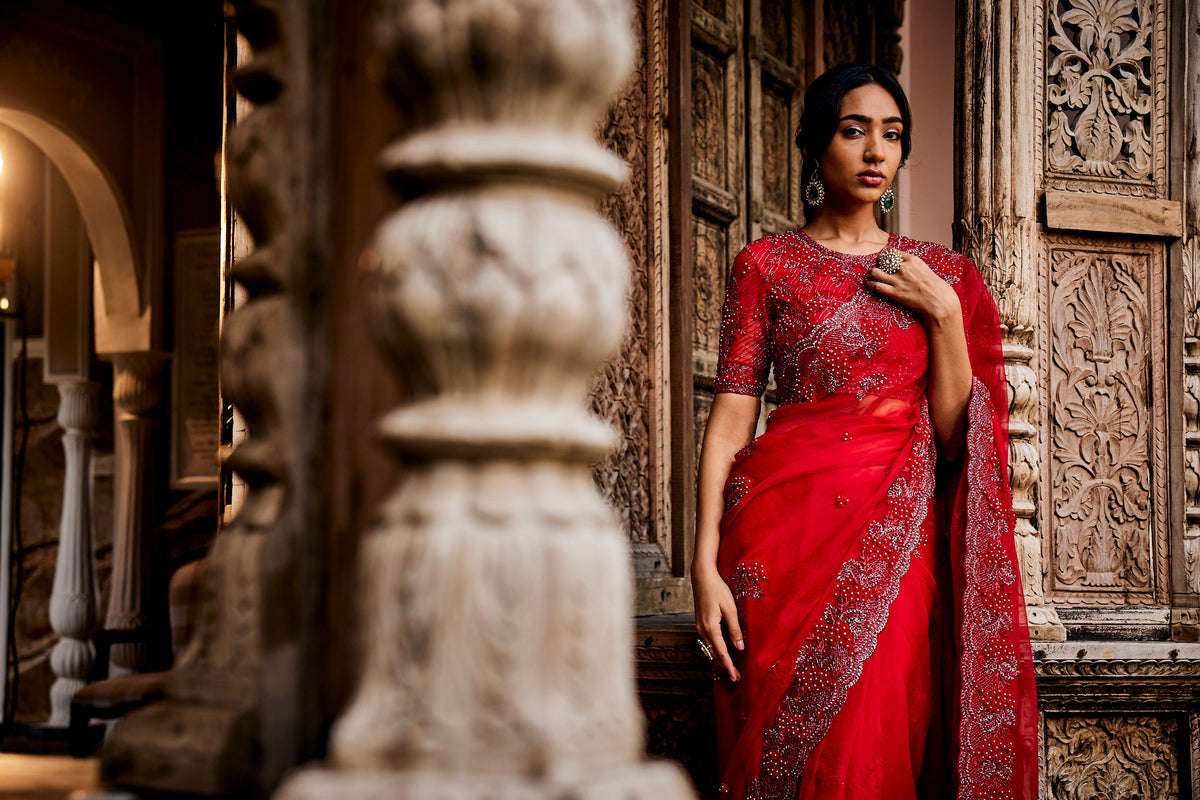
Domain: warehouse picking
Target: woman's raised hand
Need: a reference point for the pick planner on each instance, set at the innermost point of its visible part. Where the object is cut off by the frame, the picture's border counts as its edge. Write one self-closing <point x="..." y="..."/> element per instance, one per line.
<point x="917" y="287"/>
<point x="714" y="604"/>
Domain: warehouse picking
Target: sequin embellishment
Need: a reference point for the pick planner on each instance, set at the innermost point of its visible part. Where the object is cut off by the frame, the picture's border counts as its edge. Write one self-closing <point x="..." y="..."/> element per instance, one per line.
<point x="747" y="580"/>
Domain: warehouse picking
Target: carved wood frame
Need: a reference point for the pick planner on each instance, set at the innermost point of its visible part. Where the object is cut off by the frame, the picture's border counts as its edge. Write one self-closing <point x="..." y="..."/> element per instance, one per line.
<point x="1160" y="313"/>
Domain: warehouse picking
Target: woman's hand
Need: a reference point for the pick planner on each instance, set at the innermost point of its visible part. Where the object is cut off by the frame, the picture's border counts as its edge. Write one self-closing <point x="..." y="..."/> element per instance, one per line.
<point x="714" y="604"/>
<point x="918" y="288"/>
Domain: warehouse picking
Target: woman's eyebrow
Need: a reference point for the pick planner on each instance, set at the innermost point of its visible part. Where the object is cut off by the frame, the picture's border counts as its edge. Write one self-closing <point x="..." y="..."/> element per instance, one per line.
<point x="864" y="119"/>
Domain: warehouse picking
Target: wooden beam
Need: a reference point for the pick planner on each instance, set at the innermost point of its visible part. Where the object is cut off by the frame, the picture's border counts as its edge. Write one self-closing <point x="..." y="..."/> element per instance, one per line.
<point x="1106" y="213"/>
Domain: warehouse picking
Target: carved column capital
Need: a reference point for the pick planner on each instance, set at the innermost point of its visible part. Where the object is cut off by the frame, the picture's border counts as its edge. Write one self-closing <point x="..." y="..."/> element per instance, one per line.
<point x="136" y="397"/>
<point x="77" y="407"/>
<point x="137" y="385"/>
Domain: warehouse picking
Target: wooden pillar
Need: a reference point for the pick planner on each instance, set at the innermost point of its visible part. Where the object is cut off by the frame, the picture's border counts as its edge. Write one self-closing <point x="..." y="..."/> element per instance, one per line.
<point x="73" y="596"/>
<point x="135" y="405"/>
<point x="495" y="591"/>
<point x="997" y="226"/>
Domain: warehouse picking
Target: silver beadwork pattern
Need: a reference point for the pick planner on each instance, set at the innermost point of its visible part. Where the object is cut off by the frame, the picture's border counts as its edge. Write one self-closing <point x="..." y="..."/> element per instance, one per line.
<point x="778" y="311"/>
<point x="831" y="661"/>
<point x="747" y="580"/>
<point x="989" y="662"/>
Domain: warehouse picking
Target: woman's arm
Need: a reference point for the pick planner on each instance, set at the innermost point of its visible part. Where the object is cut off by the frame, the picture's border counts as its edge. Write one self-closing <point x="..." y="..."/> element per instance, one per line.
<point x="731" y="424"/>
<point x="920" y="289"/>
<point x="949" y="387"/>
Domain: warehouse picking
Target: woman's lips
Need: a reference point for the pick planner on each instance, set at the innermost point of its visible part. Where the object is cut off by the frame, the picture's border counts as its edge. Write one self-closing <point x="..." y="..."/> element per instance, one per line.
<point x="870" y="180"/>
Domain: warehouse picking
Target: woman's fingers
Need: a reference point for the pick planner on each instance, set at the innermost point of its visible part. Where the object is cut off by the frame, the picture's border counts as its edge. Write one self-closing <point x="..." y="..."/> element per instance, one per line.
<point x="732" y="625"/>
<point x="711" y="633"/>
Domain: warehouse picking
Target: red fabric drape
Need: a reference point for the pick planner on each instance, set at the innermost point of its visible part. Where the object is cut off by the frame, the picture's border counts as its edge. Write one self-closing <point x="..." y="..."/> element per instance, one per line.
<point x="887" y="653"/>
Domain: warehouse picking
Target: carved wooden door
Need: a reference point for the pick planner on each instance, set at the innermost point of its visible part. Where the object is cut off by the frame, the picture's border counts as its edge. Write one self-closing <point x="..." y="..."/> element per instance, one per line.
<point x="747" y="63"/>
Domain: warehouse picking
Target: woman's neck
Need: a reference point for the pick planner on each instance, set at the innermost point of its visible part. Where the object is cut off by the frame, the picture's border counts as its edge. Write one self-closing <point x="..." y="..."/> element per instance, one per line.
<point x="849" y="228"/>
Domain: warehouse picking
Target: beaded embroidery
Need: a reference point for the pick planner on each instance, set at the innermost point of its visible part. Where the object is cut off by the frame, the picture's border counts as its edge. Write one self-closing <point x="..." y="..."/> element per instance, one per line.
<point x="831" y="660"/>
<point x="737" y="490"/>
<point x="747" y="580"/>
<point x="779" y="309"/>
<point x="989" y="662"/>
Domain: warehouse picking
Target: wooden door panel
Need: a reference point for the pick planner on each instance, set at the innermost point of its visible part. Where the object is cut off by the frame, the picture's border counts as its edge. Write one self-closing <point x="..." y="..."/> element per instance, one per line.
<point x="718" y="177"/>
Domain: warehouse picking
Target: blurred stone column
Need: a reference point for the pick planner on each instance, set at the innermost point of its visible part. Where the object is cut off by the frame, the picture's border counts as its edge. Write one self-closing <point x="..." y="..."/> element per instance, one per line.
<point x="135" y="403"/>
<point x="73" y="596"/>
<point x="496" y="590"/>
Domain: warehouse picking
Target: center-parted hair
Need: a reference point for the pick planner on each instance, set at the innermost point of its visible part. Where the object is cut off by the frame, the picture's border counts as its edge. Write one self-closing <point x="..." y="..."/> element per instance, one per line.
<point x="822" y="109"/>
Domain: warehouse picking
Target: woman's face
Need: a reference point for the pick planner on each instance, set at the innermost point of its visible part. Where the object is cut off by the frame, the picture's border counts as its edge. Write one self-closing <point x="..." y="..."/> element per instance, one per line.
<point x="862" y="157"/>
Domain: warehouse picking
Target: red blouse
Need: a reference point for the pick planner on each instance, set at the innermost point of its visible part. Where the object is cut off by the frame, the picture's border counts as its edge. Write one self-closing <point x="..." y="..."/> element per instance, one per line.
<point x="785" y="305"/>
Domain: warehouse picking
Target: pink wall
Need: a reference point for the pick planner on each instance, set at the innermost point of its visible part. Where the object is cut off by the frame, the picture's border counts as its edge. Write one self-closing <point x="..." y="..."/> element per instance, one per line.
<point x="927" y="184"/>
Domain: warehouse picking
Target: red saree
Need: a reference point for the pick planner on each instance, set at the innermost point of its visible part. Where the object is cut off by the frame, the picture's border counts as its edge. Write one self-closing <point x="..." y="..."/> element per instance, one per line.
<point x="887" y="654"/>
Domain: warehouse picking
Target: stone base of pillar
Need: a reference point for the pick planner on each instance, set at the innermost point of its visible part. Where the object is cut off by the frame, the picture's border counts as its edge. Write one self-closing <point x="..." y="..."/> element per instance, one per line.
<point x="1044" y="624"/>
<point x="171" y="746"/>
<point x="652" y="780"/>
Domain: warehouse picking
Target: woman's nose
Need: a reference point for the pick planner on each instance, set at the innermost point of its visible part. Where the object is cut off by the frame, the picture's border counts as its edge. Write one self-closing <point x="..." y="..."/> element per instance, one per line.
<point x="873" y="147"/>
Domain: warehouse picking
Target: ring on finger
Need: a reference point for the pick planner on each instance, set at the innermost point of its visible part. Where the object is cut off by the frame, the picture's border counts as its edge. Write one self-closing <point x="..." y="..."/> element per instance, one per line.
<point x="704" y="648"/>
<point x="889" y="261"/>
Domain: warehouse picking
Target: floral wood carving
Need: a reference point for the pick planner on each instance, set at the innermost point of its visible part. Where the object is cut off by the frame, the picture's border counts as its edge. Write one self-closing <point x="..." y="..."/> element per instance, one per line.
<point x="1191" y="410"/>
<point x="711" y="245"/>
<point x="1105" y="94"/>
<point x="621" y="392"/>
<point x="1112" y="757"/>
<point x="1104" y="442"/>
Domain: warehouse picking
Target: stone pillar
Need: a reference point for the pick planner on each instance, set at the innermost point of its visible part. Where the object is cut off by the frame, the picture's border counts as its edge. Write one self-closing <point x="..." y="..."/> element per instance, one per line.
<point x="996" y="206"/>
<point x="496" y="591"/>
<point x="238" y="708"/>
<point x="73" y="597"/>
<point x="135" y="405"/>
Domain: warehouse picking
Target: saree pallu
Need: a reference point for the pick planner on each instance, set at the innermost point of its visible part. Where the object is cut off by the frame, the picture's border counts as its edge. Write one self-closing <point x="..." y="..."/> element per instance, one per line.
<point x="887" y="652"/>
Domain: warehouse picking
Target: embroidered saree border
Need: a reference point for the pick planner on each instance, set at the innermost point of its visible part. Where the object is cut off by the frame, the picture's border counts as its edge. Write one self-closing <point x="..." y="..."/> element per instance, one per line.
<point x="990" y="666"/>
<point x="830" y="662"/>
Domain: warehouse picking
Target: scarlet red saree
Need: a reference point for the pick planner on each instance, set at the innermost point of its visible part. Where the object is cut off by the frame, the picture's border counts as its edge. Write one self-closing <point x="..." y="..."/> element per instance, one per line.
<point x="887" y="654"/>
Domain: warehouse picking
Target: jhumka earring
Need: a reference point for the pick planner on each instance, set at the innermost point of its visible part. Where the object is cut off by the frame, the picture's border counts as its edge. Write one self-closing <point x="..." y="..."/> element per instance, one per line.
<point x="814" y="192"/>
<point x="888" y="201"/>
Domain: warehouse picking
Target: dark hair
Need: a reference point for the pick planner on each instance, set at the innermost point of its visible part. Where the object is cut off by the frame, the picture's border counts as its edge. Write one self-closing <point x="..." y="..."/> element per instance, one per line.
<point x="823" y="102"/>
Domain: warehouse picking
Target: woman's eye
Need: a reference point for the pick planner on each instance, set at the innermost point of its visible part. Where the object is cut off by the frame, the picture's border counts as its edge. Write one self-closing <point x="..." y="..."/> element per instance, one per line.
<point x="851" y="132"/>
<point x="892" y="134"/>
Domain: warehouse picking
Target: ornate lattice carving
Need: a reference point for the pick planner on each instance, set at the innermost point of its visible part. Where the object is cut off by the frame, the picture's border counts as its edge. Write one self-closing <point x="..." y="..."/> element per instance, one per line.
<point x="621" y="391"/>
<point x="711" y="245"/>
<point x="709" y="119"/>
<point x="1109" y="757"/>
<point x="1105" y="378"/>
<point x="1105" y="95"/>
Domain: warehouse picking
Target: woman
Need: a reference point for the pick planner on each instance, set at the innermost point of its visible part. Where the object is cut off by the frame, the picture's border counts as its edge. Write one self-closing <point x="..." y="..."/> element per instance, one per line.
<point x="855" y="576"/>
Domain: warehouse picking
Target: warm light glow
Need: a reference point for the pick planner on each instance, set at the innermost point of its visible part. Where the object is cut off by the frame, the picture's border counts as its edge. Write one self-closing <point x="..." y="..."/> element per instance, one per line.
<point x="1" y="162"/>
<point x="3" y="304"/>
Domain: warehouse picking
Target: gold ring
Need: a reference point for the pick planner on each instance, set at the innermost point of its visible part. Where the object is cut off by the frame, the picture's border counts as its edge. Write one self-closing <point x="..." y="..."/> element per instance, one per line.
<point x="704" y="648"/>
<point x="889" y="262"/>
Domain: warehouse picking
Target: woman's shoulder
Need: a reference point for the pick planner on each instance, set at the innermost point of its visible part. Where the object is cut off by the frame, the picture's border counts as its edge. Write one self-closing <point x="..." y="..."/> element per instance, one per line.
<point x="768" y="253"/>
<point x="950" y="264"/>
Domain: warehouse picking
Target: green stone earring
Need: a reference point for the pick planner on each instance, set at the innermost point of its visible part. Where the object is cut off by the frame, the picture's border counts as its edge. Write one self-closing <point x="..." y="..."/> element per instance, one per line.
<point x="814" y="192"/>
<point x="888" y="201"/>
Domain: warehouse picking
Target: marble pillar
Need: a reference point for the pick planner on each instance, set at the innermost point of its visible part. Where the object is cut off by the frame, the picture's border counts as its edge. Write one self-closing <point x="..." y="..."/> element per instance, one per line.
<point x="73" y="596"/>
